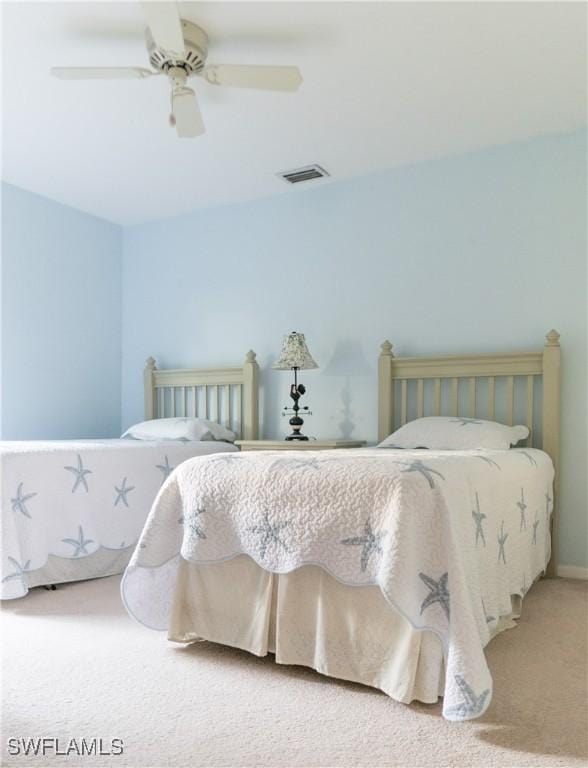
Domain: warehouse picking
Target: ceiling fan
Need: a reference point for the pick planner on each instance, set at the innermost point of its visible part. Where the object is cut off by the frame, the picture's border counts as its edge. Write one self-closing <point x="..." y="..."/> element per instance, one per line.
<point x="178" y="49"/>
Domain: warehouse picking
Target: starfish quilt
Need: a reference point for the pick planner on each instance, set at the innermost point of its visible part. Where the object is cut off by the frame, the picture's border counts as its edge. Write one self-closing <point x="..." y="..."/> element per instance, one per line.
<point x="72" y="499"/>
<point x="447" y="536"/>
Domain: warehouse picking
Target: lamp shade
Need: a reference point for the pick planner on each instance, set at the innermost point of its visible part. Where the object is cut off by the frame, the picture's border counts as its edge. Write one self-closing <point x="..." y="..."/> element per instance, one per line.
<point x="294" y="354"/>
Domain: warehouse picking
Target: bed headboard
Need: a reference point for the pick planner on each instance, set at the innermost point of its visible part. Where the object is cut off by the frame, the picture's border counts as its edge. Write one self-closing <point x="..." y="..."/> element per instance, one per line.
<point x="521" y="387"/>
<point x="229" y="396"/>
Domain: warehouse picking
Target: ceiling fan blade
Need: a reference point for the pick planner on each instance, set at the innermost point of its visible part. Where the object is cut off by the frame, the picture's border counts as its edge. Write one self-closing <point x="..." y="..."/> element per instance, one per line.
<point x="101" y="73"/>
<point x="163" y="19"/>
<point x="263" y="78"/>
<point x="186" y="113"/>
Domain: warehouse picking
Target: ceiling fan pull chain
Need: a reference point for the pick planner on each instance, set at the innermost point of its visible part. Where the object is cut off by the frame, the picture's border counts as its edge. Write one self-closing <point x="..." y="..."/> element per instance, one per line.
<point x="172" y="117"/>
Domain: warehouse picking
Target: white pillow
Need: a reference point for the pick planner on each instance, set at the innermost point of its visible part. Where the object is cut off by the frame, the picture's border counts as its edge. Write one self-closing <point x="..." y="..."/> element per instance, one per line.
<point x="183" y="428"/>
<point x="455" y="433"/>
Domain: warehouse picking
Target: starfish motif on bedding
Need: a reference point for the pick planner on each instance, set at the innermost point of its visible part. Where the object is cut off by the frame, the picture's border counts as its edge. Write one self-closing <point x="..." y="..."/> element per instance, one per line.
<point x="18" y="573"/>
<point x="165" y="468"/>
<point x="548" y="501"/>
<point x="501" y="542"/>
<point x="488" y="460"/>
<point x="121" y="493"/>
<point x="295" y="463"/>
<point x="292" y="462"/>
<point x="269" y="533"/>
<point x="80" y="474"/>
<point x="535" y="526"/>
<point x="532" y="460"/>
<point x="472" y="704"/>
<point x="418" y="466"/>
<point x="479" y="517"/>
<point x="370" y="542"/>
<point x="19" y="503"/>
<point x="438" y="592"/>
<point x="227" y="458"/>
<point x="79" y="544"/>
<point x="465" y="422"/>
<point x="194" y="523"/>
<point x="522" y="507"/>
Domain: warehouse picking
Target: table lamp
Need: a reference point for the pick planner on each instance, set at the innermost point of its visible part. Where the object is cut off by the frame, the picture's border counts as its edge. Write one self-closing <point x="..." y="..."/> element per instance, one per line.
<point x="295" y="356"/>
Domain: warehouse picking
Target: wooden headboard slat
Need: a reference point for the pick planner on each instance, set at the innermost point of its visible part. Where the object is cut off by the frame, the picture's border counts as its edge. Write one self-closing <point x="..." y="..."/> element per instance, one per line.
<point x="465" y="367"/>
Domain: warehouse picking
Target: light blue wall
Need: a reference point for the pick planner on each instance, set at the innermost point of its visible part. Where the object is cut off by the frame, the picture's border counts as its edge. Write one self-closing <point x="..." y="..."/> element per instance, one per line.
<point x="480" y="252"/>
<point x="60" y="320"/>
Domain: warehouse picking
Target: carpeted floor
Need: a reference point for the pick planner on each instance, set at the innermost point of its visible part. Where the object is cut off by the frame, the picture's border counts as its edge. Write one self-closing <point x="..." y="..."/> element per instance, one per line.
<point x="74" y="665"/>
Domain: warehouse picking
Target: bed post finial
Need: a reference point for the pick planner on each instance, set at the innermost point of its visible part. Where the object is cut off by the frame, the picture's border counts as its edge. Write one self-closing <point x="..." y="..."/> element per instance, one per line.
<point x="149" y="388"/>
<point x="551" y="428"/>
<point x="250" y="397"/>
<point x="385" y="391"/>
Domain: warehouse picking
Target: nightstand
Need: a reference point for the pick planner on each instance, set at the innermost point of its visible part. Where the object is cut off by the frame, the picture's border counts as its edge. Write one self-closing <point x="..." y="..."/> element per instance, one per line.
<point x="297" y="445"/>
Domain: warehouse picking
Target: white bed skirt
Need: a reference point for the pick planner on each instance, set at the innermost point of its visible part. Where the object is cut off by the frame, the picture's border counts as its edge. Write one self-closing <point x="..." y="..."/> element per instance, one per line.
<point x="307" y="617"/>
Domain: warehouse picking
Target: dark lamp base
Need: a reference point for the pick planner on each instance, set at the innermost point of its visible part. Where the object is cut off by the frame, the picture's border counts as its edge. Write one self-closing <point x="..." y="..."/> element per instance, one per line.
<point x="296" y="422"/>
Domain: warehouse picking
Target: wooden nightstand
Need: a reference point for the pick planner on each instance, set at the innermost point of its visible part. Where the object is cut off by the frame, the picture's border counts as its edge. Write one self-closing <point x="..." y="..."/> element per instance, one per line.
<point x="297" y="445"/>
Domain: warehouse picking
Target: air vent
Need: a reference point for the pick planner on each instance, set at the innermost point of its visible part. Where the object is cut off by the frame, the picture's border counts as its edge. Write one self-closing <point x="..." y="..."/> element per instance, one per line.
<point x="307" y="173"/>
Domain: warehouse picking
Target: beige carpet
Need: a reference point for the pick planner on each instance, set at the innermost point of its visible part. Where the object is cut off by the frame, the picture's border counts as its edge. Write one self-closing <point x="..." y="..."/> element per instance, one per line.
<point x="75" y="666"/>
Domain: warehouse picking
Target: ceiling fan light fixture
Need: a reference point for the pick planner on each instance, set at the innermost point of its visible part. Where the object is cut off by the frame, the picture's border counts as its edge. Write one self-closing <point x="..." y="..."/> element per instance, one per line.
<point x="193" y="57"/>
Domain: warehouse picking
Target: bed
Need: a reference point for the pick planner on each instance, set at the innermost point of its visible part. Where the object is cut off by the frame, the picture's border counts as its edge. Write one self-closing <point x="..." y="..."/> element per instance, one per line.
<point x="74" y="509"/>
<point x="392" y="568"/>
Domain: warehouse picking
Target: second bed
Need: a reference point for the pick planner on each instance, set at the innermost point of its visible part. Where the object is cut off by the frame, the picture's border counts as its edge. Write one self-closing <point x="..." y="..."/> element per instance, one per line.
<point x="74" y="509"/>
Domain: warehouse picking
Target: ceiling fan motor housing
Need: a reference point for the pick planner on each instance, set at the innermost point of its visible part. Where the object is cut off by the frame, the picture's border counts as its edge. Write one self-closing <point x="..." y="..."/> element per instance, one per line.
<point x="194" y="57"/>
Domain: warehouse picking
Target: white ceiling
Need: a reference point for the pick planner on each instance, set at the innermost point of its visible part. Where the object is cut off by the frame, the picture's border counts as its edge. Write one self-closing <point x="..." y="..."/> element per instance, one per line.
<point x="385" y="84"/>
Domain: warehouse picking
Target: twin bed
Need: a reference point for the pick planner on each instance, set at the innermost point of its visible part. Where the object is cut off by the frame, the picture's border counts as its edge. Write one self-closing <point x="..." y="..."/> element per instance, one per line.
<point x="389" y="567"/>
<point x="74" y="509"/>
